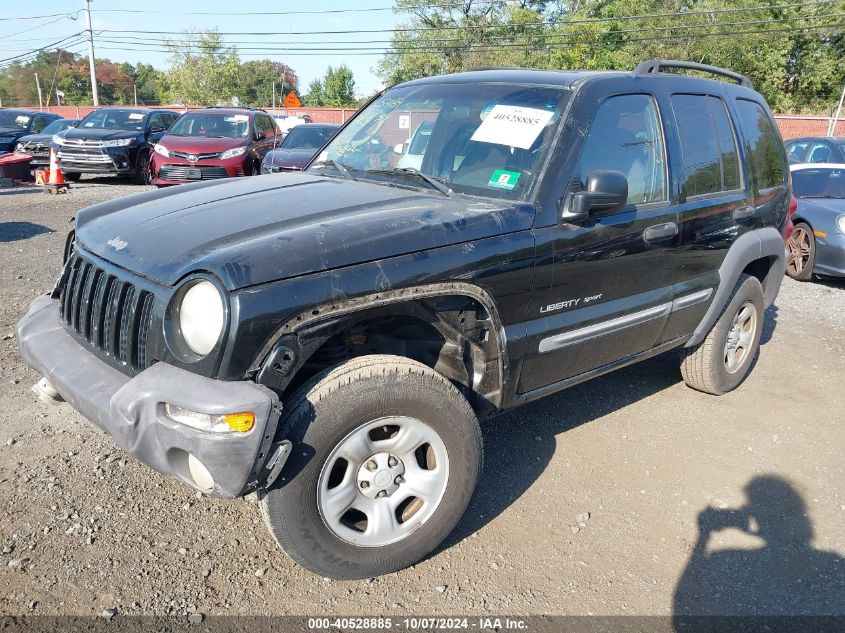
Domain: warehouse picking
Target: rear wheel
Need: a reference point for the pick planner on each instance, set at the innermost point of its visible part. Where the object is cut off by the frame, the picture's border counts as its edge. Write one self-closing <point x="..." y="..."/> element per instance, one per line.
<point x="722" y="360"/>
<point x="386" y="456"/>
<point x="802" y="253"/>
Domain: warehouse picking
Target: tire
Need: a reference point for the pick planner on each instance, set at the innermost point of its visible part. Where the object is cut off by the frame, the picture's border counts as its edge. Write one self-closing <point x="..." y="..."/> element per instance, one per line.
<point x="715" y="367"/>
<point x="72" y="177"/>
<point x="143" y="173"/>
<point x="326" y="420"/>
<point x="802" y="253"/>
<point x="254" y="168"/>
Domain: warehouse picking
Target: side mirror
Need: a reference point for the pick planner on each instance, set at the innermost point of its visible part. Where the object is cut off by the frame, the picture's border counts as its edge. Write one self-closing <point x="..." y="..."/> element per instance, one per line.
<point x="606" y="193"/>
<point x="399" y="148"/>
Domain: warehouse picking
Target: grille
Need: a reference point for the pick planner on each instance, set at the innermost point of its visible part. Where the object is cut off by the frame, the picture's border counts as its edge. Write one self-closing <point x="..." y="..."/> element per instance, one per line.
<point x="199" y="156"/>
<point x="185" y="172"/>
<point x="111" y="314"/>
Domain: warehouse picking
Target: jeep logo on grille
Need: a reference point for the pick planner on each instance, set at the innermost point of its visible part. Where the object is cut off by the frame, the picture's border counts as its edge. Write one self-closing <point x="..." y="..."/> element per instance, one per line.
<point x="117" y="243"/>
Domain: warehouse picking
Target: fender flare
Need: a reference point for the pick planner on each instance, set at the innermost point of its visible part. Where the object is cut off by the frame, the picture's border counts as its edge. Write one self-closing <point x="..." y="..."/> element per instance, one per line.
<point x="765" y="243"/>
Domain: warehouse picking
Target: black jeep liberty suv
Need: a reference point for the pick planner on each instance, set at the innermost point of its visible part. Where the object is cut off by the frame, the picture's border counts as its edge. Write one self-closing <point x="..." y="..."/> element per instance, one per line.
<point x="330" y="339"/>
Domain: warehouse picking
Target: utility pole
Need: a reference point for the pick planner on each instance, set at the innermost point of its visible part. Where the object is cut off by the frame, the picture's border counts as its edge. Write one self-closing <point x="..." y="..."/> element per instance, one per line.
<point x="38" y="85"/>
<point x="135" y="92"/>
<point x="274" y="96"/>
<point x="91" y="53"/>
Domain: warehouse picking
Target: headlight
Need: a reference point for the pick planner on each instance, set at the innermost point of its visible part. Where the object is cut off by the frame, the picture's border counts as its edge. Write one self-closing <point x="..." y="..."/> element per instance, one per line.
<point x="58" y="140"/>
<point x="158" y="148"/>
<point x="231" y="153"/>
<point x="19" y="148"/>
<point x="266" y="168"/>
<point x="226" y="423"/>
<point x="840" y="222"/>
<point x="118" y="142"/>
<point x="201" y="317"/>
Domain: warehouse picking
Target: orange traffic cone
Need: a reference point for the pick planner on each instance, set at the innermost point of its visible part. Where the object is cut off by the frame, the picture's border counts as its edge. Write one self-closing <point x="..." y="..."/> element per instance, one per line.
<point x="56" y="182"/>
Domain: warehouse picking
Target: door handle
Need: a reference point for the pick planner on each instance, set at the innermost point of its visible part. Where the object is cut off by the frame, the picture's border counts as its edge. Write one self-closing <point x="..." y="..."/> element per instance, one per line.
<point x="660" y="231"/>
<point x="743" y="213"/>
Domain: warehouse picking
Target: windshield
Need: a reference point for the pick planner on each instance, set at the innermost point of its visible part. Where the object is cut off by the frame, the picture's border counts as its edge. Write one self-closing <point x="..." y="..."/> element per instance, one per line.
<point x="211" y="125"/>
<point x="58" y="125"/>
<point x="113" y="119"/>
<point x="483" y="139"/>
<point x="10" y="118"/>
<point x="819" y="183"/>
<point x="308" y="137"/>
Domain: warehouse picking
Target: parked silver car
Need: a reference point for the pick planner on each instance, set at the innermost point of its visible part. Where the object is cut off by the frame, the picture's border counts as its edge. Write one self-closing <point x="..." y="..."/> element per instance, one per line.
<point x="817" y="244"/>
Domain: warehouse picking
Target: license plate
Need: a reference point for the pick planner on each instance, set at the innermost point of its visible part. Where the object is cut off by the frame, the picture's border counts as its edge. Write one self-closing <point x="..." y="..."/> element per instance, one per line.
<point x="193" y="173"/>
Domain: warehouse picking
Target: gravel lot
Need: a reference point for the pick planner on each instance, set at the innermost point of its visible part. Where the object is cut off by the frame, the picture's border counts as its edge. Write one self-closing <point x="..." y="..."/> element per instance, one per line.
<point x="590" y="502"/>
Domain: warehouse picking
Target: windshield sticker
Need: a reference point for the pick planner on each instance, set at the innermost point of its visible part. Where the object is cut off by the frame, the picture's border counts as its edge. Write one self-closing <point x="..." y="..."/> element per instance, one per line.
<point x="514" y="126"/>
<point x="501" y="179"/>
<point x="135" y="116"/>
<point x="236" y="118"/>
<point x="22" y="120"/>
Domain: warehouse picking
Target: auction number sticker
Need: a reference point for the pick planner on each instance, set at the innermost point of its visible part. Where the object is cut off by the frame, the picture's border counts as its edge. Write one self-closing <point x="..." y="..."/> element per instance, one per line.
<point x="514" y="126"/>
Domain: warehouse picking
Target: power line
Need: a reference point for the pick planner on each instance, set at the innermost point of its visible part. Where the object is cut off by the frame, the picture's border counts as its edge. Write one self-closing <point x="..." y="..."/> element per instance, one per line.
<point x="564" y="21"/>
<point x="33" y="28"/>
<point x="72" y="16"/>
<point x="38" y="50"/>
<point x="517" y="46"/>
<point x="142" y="41"/>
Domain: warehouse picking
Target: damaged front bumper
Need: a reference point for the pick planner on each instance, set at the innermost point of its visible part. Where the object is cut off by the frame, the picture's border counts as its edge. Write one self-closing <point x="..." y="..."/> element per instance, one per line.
<point x="132" y="410"/>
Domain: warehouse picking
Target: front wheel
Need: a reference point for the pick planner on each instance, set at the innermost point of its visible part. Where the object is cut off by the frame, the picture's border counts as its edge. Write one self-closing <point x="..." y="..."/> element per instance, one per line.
<point x="143" y="169"/>
<point x="386" y="456"/>
<point x="801" y="247"/>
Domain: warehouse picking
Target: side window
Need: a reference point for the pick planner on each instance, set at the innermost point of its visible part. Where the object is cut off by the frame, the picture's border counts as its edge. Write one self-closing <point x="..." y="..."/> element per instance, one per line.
<point x="170" y="119"/>
<point x="269" y="124"/>
<point x="819" y="153"/>
<point x="156" y="122"/>
<point x="710" y="156"/>
<point x="39" y="124"/>
<point x="795" y="151"/>
<point x="764" y="143"/>
<point x="625" y="135"/>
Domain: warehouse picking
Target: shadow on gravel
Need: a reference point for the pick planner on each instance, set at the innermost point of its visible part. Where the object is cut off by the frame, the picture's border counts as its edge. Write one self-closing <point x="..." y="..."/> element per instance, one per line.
<point x="14" y="231"/>
<point x="784" y="576"/>
<point x="770" y="323"/>
<point x="514" y="459"/>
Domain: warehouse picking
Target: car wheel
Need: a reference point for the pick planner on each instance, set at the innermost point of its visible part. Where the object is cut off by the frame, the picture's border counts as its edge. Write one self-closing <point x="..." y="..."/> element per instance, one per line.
<point x="386" y="456"/>
<point x="802" y="253"/>
<point x="722" y="360"/>
<point x="143" y="169"/>
<point x="253" y="168"/>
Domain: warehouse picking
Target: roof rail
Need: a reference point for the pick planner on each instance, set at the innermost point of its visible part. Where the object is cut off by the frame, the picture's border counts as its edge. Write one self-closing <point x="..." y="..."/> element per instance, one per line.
<point x="653" y="66"/>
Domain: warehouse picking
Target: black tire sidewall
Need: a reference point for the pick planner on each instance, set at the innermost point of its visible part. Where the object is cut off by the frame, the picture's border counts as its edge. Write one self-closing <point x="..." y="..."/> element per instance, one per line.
<point x="749" y="290"/>
<point x="142" y="169"/>
<point x="292" y="510"/>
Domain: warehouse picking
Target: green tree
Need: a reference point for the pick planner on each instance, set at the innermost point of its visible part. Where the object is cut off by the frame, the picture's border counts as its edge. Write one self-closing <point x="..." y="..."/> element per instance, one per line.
<point x="203" y="71"/>
<point x="335" y="89"/>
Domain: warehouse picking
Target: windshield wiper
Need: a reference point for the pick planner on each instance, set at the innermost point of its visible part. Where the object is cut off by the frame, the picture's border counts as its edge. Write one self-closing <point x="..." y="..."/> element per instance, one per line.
<point x="436" y="183"/>
<point x="328" y="162"/>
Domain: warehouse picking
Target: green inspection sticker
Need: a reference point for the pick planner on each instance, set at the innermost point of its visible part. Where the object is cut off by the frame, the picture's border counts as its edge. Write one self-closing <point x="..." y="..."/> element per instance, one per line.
<point x="502" y="179"/>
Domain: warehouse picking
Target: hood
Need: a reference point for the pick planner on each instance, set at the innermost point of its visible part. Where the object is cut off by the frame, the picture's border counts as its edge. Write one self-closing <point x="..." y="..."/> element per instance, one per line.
<point x="100" y="135"/>
<point x="34" y="138"/>
<point x="825" y="205"/>
<point x="199" y="144"/>
<point x="289" y="157"/>
<point x="254" y="230"/>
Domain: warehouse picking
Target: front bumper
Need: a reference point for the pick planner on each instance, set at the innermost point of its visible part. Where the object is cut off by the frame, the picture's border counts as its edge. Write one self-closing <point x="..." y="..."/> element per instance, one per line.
<point x="176" y="171"/>
<point x="111" y="160"/>
<point x="830" y="255"/>
<point x="131" y="410"/>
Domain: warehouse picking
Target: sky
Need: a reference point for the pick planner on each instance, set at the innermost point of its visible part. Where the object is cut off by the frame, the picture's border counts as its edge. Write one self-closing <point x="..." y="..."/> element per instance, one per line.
<point x="164" y="15"/>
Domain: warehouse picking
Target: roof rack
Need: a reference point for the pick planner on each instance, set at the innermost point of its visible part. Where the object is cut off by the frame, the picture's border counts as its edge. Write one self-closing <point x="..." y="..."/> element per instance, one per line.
<point x="653" y="66"/>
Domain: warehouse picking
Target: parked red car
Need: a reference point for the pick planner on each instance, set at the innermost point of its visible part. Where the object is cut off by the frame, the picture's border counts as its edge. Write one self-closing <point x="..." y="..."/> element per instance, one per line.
<point x="214" y="143"/>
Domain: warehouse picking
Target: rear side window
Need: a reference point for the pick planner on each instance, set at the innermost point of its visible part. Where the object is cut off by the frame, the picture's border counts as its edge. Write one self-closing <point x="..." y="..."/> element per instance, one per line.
<point x="711" y="161"/>
<point x="820" y="153"/>
<point x="795" y="151"/>
<point x="764" y="145"/>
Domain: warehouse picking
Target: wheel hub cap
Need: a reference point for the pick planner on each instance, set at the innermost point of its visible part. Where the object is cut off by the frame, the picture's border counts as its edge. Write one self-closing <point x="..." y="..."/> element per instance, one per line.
<point x="381" y="475"/>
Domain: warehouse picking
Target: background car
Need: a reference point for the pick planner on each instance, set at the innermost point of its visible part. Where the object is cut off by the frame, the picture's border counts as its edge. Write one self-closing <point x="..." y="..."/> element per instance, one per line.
<point x="413" y="157"/>
<point x="817" y="244"/>
<point x="15" y="123"/>
<point x="298" y="147"/>
<point x="214" y="143"/>
<point x="288" y="122"/>
<point x="816" y="149"/>
<point x="38" y="145"/>
<point x="113" y="141"/>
